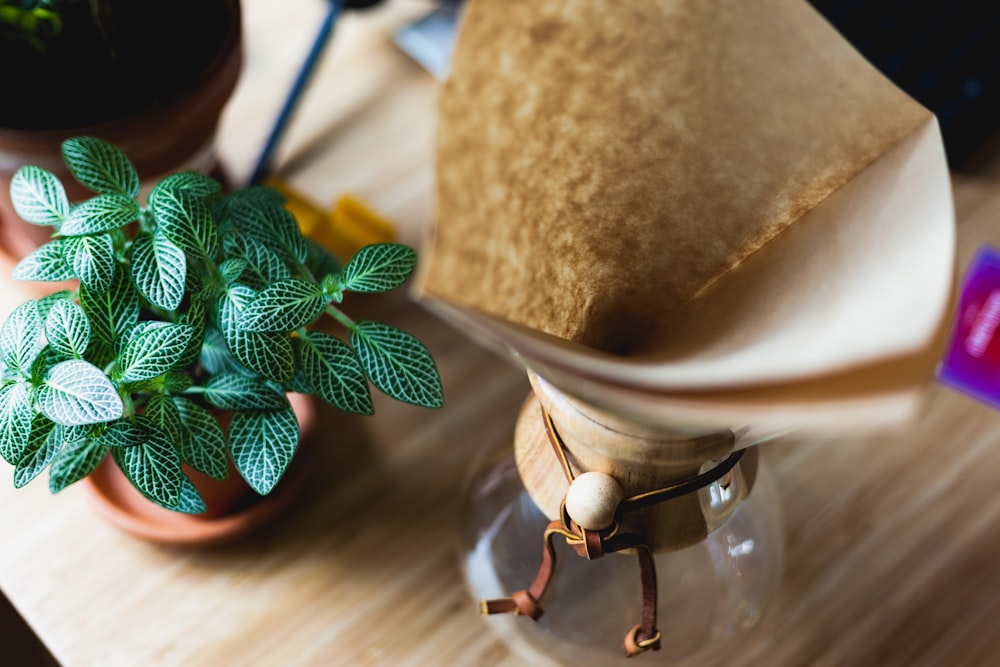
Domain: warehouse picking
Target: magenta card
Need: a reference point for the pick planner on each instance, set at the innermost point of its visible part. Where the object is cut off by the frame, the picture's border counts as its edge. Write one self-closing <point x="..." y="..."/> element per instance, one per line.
<point x="972" y="361"/>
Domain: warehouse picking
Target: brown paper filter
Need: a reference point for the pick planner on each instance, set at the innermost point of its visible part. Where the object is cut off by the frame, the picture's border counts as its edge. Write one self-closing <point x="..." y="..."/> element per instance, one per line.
<point x="686" y="197"/>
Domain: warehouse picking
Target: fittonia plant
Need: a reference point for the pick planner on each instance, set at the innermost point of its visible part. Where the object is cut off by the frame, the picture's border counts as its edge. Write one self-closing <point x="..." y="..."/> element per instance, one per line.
<point x="196" y="300"/>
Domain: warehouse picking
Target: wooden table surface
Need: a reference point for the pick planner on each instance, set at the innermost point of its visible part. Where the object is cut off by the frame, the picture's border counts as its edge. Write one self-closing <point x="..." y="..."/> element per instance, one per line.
<point x="893" y="547"/>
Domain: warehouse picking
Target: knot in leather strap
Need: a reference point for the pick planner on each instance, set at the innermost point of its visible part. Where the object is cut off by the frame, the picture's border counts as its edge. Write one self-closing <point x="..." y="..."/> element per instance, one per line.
<point x="636" y="642"/>
<point x="520" y="603"/>
<point x="526" y="605"/>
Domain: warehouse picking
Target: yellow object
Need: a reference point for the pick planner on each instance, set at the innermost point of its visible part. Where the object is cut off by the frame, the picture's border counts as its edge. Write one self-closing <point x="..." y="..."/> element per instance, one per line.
<point x="348" y="227"/>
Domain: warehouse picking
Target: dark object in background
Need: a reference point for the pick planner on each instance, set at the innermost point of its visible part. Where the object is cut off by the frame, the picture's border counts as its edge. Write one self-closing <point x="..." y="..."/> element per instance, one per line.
<point x="945" y="54"/>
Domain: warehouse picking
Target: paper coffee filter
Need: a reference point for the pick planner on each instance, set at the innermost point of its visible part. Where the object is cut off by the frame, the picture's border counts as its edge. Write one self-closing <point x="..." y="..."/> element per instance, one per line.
<point x="683" y="196"/>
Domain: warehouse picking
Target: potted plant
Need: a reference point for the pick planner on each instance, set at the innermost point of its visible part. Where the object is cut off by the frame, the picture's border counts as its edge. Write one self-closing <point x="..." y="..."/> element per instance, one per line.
<point x="192" y="304"/>
<point x="151" y="77"/>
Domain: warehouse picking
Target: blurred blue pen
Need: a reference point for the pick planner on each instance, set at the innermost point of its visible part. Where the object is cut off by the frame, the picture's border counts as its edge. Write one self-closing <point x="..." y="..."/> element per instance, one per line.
<point x="301" y="81"/>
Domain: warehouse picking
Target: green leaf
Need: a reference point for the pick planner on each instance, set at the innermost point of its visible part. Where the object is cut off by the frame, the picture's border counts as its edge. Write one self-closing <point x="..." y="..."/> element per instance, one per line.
<point x="262" y="445"/>
<point x="268" y="221"/>
<point x="77" y="459"/>
<point x="191" y="501"/>
<point x="334" y="373"/>
<point x="126" y="432"/>
<point x="204" y="445"/>
<point x="153" y="467"/>
<point x="379" y="267"/>
<point x="21" y="337"/>
<point x="47" y="263"/>
<point x="239" y="392"/>
<point x="268" y="354"/>
<point x="320" y="261"/>
<point x="43" y="445"/>
<point x="189" y="183"/>
<point x="38" y="196"/>
<point x="186" y="221"/>
<point x="113" y="312"/>
<point x="159" y="270"/>
<point x="48" y="358"/>
<point x="263" y="265"/>
<point x="100" y="214"/>
<point x="154" y="352"/>
<point x="16" y="414"/>
<point x="196" y="318"/>
<point x="67" y="329"/>
<point x="100" y="166"/>
<point x="75" y="392"/>
<point x="232" y="269"/>
<point x="162" y="411"/>
<point x="398" y="364"/>
<point x="47" y="302"/>
<point x="215" y="357"/>
<point x="284" y="306"/>
<point x="92" y="259"/>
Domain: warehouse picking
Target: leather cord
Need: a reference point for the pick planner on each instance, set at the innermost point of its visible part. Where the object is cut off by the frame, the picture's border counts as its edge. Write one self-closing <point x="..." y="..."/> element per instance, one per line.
<point x="591" y="544"/>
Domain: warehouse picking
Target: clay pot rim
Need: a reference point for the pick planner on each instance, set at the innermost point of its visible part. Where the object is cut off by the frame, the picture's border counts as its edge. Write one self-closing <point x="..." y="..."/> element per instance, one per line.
<point x="167" y="528"/>
<point x="217" y="67"/>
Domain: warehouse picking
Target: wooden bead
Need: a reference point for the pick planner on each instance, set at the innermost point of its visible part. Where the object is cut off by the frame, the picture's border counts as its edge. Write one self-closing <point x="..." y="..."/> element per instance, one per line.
<point x="592" y="500"/>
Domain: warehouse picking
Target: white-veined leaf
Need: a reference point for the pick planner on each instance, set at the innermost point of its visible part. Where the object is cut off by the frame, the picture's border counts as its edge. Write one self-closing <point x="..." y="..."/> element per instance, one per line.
<point x="139" y="327"/>
<point x="113" y="312"/>
<point x="240" y="392"/>
<point x="92" y="259"/>
<point x="159" y="270"/>
<point x="286" y="305"/>
<point x="214" y="355"/>
<point x="100" y="214"/>
<point x="47" y="263"/>
<point x="190" y="183"/>
<point x="43" y="445"/>
<point x="334" y="373"/>
<point x="204" y="446"/>
<point x="100" y="166"/>
<point x="76" y="392"/>
<point x="262" y="445"/>
<point x="379" y="267"/>
<point x="38" y="196"/>
<point x="123" y="433"/>
<point x="153" y="467"/>
<point x="195" y="317"/>
<point x="77" y="459"/>
<point x="398" y="364"/>
<point x="16" y="414"/>
<point x="162" y="411"/>
<point x="232" y="269"/>
<point x="263" y="265"/>
<point x="46" y="303"/>
<point x="186" y="221"/>
<point x="67" y="329"/>
<point x="21" y="337"/>
<point x="321" y="262"/>
<point x="190" y="501"/>
<point x="154" y="351"/>
<point x="268" y="221"/>
<point x="268" y="354"/>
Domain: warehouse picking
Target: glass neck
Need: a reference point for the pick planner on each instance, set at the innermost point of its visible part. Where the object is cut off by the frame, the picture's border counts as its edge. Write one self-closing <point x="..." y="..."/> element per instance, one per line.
<point x="640" y="459"/>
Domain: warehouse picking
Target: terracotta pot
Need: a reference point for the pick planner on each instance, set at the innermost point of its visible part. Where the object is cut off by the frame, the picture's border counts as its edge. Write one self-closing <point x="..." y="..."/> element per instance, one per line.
<point x="234" y="508"/>
<point x="174" y="135"/>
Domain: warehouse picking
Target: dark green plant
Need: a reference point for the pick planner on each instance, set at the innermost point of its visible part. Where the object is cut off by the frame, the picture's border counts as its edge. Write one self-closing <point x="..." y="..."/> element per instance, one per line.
<point x="198" y="299"/>
<point x="31" y="21"/>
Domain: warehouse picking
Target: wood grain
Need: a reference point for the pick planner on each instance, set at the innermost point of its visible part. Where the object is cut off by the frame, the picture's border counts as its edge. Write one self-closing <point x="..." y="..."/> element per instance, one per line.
<point x="893" y="557"/>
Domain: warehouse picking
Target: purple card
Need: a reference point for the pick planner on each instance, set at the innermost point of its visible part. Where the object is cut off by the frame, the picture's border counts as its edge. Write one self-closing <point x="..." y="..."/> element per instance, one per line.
<point x="972" y="361"/>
